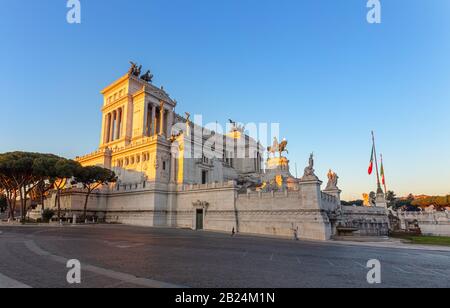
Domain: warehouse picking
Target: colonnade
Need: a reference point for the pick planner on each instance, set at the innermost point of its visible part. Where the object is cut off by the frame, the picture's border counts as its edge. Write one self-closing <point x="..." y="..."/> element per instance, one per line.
<point x="113" y="125"/>
<point x="159" y="120"/>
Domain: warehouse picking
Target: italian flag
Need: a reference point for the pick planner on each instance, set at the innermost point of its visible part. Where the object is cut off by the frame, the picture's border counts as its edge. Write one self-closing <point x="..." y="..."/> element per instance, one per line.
<point x="383" y="178"/>
<point x="371" y="161"/>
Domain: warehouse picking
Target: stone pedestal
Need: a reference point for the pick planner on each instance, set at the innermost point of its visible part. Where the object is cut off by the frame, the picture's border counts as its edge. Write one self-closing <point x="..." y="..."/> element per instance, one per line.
<point x="336" y="192"/>
<point x="277" y="169"/>
<point x="278" y="163"/>
<point x="380" y="200"/>
<point x="310" y="192"/>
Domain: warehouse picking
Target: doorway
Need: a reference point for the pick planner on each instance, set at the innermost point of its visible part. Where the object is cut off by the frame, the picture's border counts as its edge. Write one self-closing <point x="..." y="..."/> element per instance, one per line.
<point x="199" y="220"/>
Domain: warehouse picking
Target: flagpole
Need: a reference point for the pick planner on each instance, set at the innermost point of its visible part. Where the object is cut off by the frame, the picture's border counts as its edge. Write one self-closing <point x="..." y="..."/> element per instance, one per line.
<point x="376" y="164"/>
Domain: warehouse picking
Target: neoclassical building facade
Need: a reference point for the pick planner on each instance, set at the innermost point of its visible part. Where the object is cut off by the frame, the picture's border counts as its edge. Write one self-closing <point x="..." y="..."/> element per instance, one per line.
<point x="174" y="173"/>
<point x="142" y="138"/>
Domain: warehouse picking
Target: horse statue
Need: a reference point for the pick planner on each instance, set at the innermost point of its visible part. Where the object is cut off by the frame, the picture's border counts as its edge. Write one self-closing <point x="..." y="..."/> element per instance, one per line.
<point x="148" y="76"/>
<point x="282" y="147"/>
<point x="135" y="70"/>
<point x="274" y="148"/>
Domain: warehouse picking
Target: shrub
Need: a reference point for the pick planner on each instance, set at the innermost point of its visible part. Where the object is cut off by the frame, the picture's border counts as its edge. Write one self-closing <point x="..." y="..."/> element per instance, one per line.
<point x="48" y="215"/>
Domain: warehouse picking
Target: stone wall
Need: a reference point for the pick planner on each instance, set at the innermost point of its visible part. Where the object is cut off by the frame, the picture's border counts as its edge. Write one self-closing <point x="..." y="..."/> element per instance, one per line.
<point x="370" y="221"/>
<point x="304" y="211"/>
<point x="434" y="223"/>
<point x="217" y="200"/>
<point x="280" y="214"/>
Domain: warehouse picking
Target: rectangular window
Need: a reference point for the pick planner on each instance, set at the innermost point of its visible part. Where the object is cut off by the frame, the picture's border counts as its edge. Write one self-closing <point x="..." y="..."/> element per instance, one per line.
<point x="204" y="177"/>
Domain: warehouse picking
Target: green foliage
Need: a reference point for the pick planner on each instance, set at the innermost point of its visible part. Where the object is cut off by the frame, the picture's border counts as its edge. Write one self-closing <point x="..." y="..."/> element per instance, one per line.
<point x="426" y="240"/>
<point x="23" y="172"/>
<point x="391" y="199"/>
<point x="351" y="203"/>
<point x="47" y="215"/>
<point x="92" y="177"/>
<point x="438" y="201"/>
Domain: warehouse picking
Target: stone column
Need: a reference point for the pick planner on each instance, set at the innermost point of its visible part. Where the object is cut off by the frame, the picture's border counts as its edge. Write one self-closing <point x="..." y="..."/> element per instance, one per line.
<point x="173" y="162"/>
<point x="107" y="128"/>
<point x="148" y="120"/>
<point x="111" y="122"/>
<point x="118" y="123"/>
<point x="153" y="126"/>
<point x="114" y="125"/>
<point x="121" y="123"/>
<point x="170" y="120"/>
<point x="161" y="121"/>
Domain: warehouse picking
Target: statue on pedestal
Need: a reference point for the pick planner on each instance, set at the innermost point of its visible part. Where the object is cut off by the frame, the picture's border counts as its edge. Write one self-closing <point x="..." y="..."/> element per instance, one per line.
<point x="372" y="198"/>
<point x="366" y="200"/>
<point x="332" y="180"/>
<point x="309" y="171"/>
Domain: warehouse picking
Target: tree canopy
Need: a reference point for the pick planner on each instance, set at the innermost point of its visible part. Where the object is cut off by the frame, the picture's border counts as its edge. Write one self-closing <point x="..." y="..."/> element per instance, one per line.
<point x="437" y="201"/>
<point x="24" y="175"/>
<point x="92" y="177"/>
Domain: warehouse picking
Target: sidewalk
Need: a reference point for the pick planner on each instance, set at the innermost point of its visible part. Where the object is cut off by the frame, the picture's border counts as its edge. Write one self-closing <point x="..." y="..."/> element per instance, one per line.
<point x="395" y="244"/>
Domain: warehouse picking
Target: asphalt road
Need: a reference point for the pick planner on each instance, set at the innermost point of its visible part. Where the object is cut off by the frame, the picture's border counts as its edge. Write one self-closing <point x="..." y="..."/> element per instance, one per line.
<point x="123" y="256"/>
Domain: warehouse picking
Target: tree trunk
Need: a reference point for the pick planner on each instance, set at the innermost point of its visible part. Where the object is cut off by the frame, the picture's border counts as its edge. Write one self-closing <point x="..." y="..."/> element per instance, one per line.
<point x="58" y="195"/>
<point x="42" y="201"/>
<point x="85" y="206"/>
<point x="11" y="209"/>
<point x="57" y="204"/>
<point x="22" y="214"/>
<point x="25" y="207"/>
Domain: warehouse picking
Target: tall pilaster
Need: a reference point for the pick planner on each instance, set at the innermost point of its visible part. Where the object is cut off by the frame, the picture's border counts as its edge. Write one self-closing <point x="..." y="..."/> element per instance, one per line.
<point x="161" y="121"/>
<point x="170" y="120"/>
<point x="153" y="127"/>
<point x="107" y="128"/>
<point x="113" y="126"/>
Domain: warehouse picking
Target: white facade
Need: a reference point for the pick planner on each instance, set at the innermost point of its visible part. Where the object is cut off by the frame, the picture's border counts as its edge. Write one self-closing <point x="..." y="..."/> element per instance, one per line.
<point x="182" y="175"/>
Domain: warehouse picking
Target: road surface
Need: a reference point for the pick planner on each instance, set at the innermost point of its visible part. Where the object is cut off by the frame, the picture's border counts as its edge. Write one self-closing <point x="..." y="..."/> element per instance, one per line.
<point x="125" y="256"/>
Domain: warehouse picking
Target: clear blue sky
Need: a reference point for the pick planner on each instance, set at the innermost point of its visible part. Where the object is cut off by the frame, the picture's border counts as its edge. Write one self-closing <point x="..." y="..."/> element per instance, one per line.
<point x="315" y="66"/>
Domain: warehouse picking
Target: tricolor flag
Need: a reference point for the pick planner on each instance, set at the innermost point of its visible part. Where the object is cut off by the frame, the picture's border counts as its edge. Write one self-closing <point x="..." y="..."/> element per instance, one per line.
<point x="371" y="160"/>
<point x="383" y="178"/>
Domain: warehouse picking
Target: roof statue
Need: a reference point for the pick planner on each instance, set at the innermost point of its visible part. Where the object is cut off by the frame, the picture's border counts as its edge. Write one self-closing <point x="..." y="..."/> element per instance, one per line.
<point x="135" y="70"/>
<point x="309" y="170"/>
<point x="283" y="147"/>
<point x="278" y="147"/>
<point x="332" y="180"/>
<point x="274" y="148"/>
<point x="148" y="76"/>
